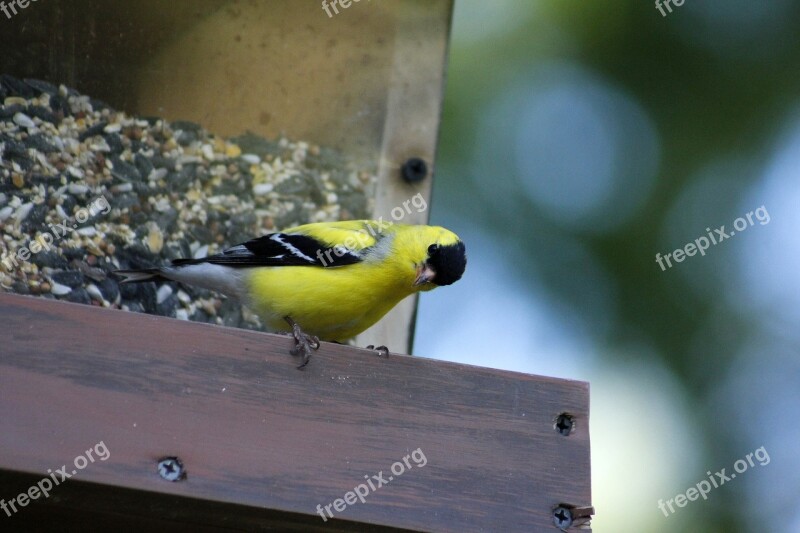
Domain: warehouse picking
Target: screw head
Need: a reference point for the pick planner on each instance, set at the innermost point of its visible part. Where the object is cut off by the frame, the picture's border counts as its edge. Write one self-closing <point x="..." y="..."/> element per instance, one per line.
<point x="414" y="170"/>
<point x="564" y="424"/>
<point x="562" y="517"/>
<point x="171" y="469"/>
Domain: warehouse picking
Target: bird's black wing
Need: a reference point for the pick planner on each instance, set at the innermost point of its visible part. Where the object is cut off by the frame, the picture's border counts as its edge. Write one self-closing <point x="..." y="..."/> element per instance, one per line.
<point x="279" y="249"/>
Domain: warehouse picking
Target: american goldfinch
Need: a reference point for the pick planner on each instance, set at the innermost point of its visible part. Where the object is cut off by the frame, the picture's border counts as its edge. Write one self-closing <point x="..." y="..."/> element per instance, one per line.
<point x="329" y="280"/>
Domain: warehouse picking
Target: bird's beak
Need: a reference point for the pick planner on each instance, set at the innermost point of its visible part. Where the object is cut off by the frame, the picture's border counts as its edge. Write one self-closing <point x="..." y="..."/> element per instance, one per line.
<point x="424" y="274"/>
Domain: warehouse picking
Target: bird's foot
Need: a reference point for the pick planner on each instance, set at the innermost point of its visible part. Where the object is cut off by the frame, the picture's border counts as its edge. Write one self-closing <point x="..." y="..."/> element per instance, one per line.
<point x="306" y="344"/>
<point x="382" y="351"/>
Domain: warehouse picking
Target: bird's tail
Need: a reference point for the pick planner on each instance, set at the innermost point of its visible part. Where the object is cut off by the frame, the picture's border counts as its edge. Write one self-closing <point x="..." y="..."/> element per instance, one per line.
<point x="137" y="276"/>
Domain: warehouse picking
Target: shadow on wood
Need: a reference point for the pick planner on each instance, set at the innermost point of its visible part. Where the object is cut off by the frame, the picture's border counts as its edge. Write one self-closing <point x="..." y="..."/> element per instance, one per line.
<point x="263" y="444"/>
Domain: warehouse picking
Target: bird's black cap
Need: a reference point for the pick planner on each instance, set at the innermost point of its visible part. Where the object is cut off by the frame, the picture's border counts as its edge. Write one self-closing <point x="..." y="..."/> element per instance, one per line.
<point x="449" y="262"/>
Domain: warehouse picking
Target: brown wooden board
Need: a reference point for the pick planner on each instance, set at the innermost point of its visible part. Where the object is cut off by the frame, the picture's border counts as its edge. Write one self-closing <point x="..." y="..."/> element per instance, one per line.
<point x="269" y="441"/>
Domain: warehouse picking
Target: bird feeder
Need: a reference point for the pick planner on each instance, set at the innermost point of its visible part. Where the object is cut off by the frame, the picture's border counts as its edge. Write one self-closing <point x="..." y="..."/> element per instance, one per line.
<point x="139" y="132"/>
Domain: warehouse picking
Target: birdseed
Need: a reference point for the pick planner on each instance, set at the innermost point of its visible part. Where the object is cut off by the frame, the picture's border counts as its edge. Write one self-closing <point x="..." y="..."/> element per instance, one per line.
<point x="86" y="189"/>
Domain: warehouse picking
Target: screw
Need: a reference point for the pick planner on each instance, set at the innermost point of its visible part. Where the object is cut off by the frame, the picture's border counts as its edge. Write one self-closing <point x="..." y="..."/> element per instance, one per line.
<point x="171" y="469"/>
<point x="414" y="170"/>
<point x="564" y="424"/>
<point x="562" y="517"/>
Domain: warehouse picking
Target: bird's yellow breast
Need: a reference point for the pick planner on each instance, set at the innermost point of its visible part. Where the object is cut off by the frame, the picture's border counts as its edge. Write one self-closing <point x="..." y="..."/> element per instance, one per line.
<point x="335" y="304"/>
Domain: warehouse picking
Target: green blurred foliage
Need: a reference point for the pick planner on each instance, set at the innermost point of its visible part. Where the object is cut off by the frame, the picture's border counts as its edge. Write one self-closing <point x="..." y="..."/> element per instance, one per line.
<point x="716" y="89"/>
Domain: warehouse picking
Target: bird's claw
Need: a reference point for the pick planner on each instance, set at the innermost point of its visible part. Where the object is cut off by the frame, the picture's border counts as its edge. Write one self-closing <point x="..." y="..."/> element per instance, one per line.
<point x="306" y="344"/>
<point x="382" y="351"/>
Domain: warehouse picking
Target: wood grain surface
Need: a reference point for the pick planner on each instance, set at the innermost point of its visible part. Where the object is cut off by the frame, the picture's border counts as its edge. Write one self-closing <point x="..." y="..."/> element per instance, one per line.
<point x="264" y="443"/>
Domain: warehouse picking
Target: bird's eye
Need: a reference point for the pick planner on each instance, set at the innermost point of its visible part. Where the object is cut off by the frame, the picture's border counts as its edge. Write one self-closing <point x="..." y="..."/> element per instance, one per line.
<point x="432" y="248"/>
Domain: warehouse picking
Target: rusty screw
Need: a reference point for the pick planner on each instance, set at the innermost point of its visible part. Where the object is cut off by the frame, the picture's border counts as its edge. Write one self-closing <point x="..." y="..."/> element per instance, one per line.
<point x="564" y="424"/>
<point x="171" y="469"/>
<point x="562" y="517"/>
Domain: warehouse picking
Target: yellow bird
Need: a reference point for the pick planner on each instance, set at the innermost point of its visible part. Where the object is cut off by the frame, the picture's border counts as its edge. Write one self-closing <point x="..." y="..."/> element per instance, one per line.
<point x="329" y="280"/>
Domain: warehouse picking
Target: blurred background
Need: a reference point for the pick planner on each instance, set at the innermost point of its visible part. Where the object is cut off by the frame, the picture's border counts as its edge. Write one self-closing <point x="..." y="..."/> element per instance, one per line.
<point x="578" y="140"/>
